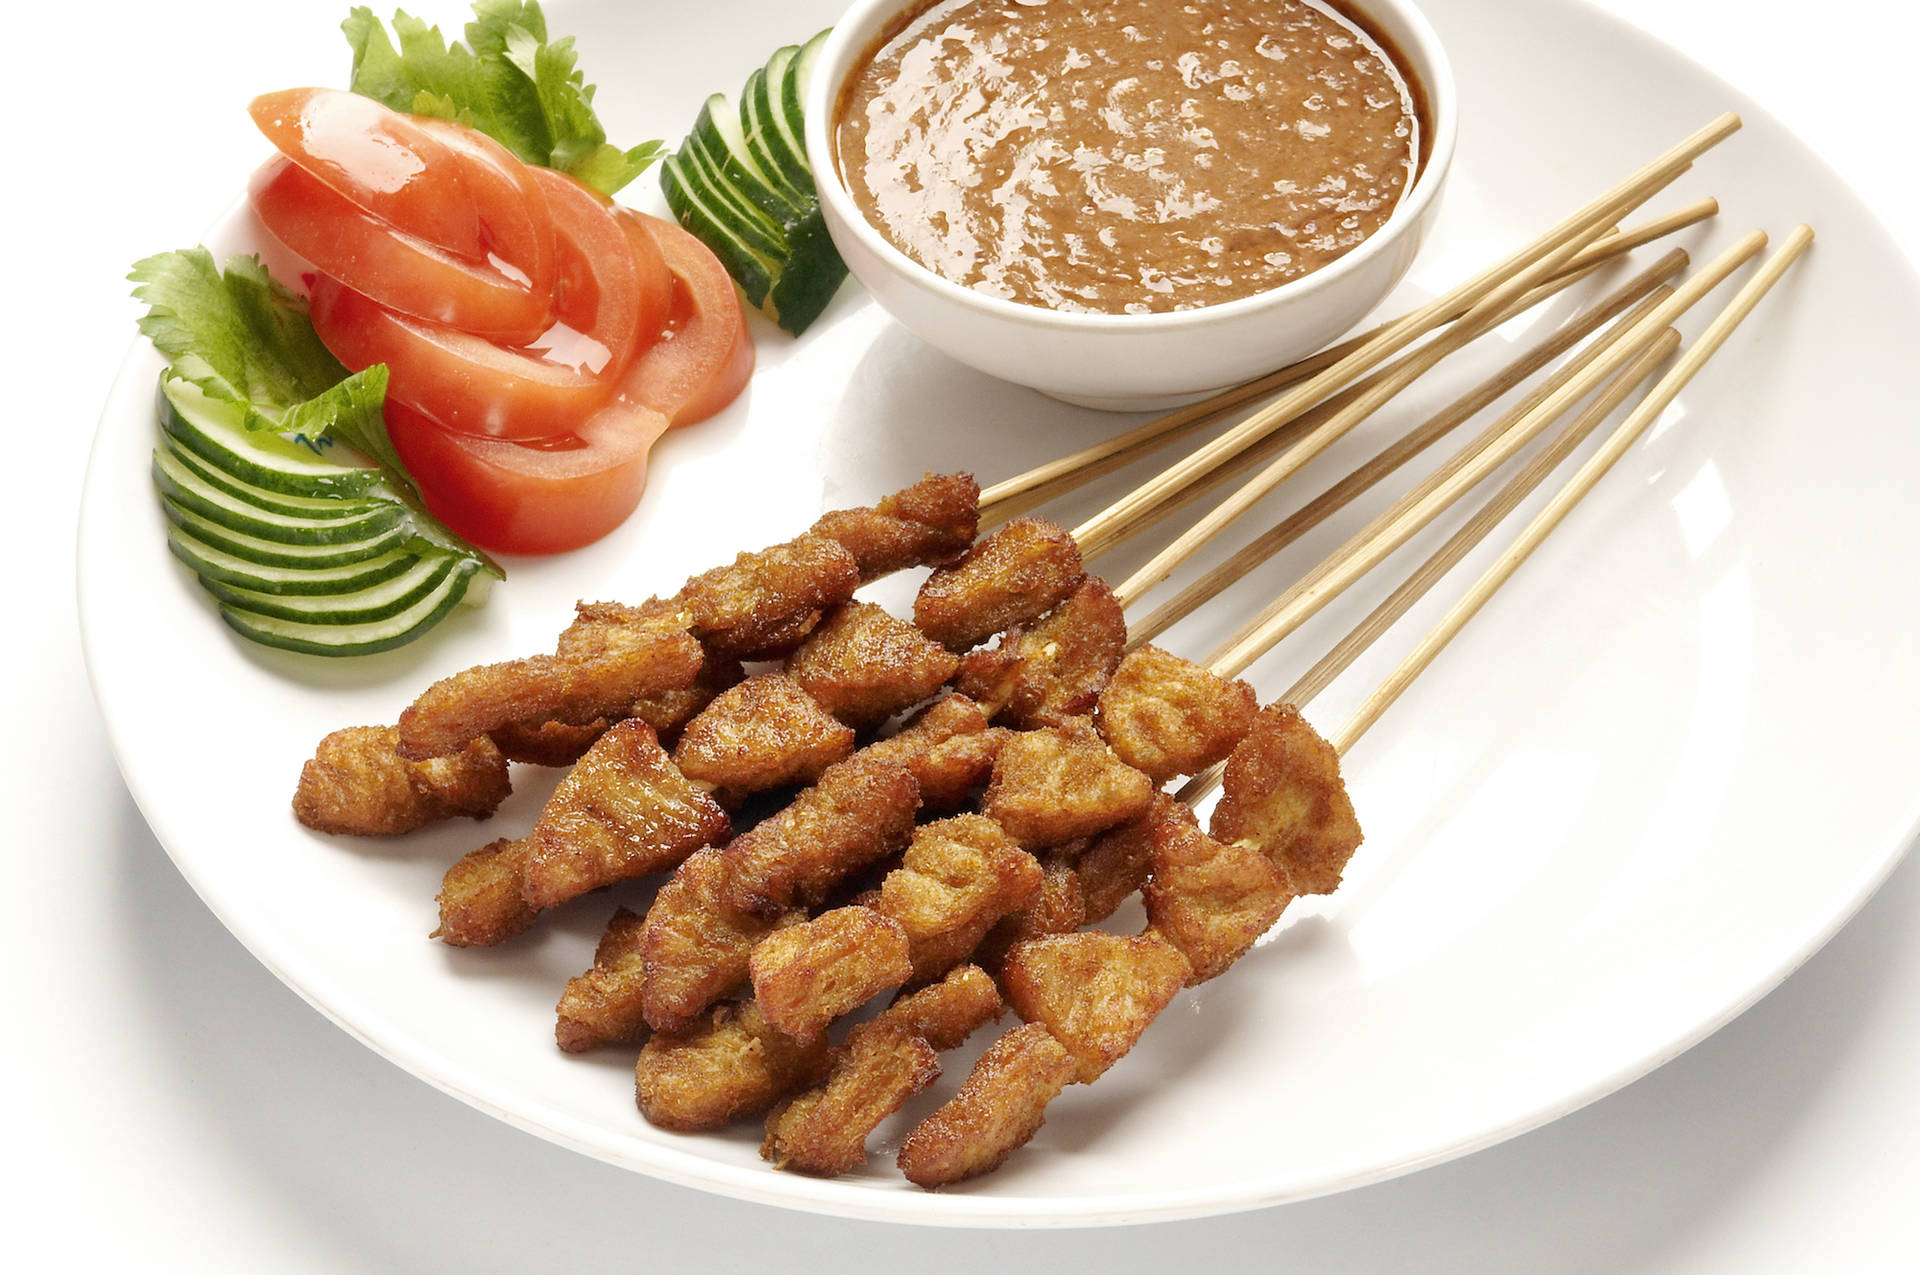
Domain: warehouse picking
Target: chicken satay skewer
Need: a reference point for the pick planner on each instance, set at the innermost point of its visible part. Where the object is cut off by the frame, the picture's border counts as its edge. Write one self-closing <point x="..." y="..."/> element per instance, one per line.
<point x="555" y="871"/>
<point x="1025" y="492"/>
<point x="1002" y="1105"/>
<point x="965" y="874"/>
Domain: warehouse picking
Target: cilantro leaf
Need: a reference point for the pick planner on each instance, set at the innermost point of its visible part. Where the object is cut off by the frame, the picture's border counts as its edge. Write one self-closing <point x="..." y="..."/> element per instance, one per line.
<point x="244" y="339"/>
<point x="508" y="81"/>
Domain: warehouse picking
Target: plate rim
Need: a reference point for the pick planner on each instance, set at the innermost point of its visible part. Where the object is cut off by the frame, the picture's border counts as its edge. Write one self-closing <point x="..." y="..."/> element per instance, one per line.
<point x="757" y="1185"/>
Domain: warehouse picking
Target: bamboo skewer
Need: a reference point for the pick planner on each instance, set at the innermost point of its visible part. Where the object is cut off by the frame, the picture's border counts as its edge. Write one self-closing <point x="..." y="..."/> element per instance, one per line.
<point x="1028" y="491"/>
<point x="1460" y="544"/>
<point x="1583" y="481"/>
<point x="1640" y="293"/>
<point x="1346" y="409"/>
<point x="1393" y="528"/>
<point x="1504" y="281"/>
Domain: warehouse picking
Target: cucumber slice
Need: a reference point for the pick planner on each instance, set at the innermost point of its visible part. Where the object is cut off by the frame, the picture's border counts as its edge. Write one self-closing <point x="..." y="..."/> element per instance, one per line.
<point x="213" y="431"/>
<point x="378" y="602"/>
<point x="718" y="129"/>
<point x="274" y="554"/>
<point x="751" y="224"/>
<point x="741" y="183"/>
<point x="261" y="497"/>
<point x="693" y="208"/>
<point x="186" y="489"/>
<point x="356" y="639"/>
<point x="762" y="135"/>
<point x="793" y="91"/>
<point x="788" y="134"/>
<point x="217" y="565"/>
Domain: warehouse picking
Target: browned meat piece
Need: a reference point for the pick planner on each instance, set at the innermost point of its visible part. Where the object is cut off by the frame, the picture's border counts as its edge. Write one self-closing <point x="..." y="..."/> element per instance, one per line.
<point x="824" y="1130"/>
<point x="947" y="1012"/>
<point x="607" y="669"/>
<point x="480" y="902"/>
<point x="885" y="1062"/>
<point x="861" y="810"/>
<point x="697" y="947"/>
<point x="1116" y="862"/>
<point x="1058" y="907"/>
<point x="733" y="1064"/>
<point x="624" y="811"/>
<point x="949" y="748"/>
<point x="1170" y="717"/>
<point x="1018" y="573"/>
<point x="763" y="599"/>
<point x="1283" y="793"/>
<point x="602" y="1006"/>
<point x="997" y="1111"/>
<point x="357" y="784"/>
<point x="547" y="743"/>
<point x="959" y="877"/>
<point x="604" y="628"/>
<point x="925" y="525"/>
<point x="864" y="665"/>
<point x="669" y="711"/>
<point x="1096" y="992"/>
<point x="807" y="975"/>
<point x="764" y="733"/>
<point x="1051" y="786"/>
<point x="1042" y="674"/>
<point x="557" y="744"/>
<point x="1211" y="901"/>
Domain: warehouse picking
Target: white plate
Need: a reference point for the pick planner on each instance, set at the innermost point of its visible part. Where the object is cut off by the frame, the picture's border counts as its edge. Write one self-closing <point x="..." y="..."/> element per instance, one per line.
<point x="1643" y="787"/>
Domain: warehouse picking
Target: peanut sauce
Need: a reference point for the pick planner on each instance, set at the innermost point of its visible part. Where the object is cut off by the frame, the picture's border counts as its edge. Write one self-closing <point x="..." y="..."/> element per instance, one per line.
<point x="1127" y="156"/>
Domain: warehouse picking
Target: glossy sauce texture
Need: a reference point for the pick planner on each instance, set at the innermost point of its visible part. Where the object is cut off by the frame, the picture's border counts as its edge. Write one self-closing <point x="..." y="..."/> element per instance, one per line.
<point x="1127" y="156"/>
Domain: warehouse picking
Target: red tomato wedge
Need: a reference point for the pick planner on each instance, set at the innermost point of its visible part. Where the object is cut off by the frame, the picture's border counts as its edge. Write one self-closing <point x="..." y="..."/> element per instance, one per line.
<point x="519" y="498"/>
<point x="395" y="269"/>
<point x="475" y="386"/>
<point x="704" y="358"/>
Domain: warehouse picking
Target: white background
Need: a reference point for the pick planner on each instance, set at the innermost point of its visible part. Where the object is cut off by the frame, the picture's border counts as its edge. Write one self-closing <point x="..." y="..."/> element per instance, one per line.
<point x="167" y="1105"/>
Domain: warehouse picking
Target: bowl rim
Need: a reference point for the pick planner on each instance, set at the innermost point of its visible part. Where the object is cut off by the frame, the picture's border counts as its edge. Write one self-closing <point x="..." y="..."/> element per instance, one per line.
<point x="864" y="19"/>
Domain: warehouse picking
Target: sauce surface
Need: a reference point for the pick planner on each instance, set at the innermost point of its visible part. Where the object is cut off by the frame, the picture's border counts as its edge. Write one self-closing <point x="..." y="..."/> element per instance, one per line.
<point x="1127" y="156"/>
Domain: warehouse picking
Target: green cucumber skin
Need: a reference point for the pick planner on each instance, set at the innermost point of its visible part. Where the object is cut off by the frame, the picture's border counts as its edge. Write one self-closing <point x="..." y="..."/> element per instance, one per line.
<point x="756" y="123"/>
<point x="750" y="270"/>
<point x="345" y="640"/>
<point x="273" y="502"/>
<point x="788" y="132"/>
<point x="320" y="478"/>
<point x="740" y="183"/>
<point x="737" y="168"/>
<point x="813" y="274"/>
<point x="213" y="564"/>
<point x="273" y="555"/>
<point x="338" y="609"/>
<point x="234" y="516"/>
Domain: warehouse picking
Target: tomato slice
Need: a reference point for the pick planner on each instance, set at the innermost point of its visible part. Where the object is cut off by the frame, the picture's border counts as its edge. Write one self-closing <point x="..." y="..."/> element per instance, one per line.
<point x="517" y="498"/>
<point x="387" y="164"/>
<point x="395" y="269"/>
<point x="495" y="178"/>
<point x="705" y="357"/>
<point x="475" y="386"/>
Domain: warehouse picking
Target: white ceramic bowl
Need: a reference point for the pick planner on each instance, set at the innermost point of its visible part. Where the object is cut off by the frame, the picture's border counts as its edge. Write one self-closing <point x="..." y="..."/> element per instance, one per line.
<point x="1131" y="362"/>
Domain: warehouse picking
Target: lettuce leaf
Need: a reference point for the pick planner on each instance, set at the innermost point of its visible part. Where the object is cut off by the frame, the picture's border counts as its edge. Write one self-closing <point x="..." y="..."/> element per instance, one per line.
<point x="507" y="80"/>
